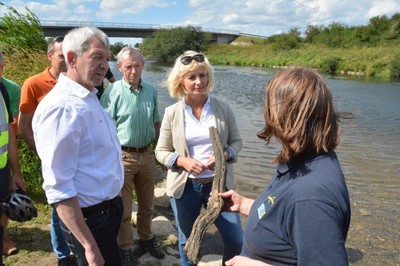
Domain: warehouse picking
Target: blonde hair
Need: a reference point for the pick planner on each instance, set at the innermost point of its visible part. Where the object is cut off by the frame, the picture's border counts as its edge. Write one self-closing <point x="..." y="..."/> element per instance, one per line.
<point x="178" y="72"/>
<point x="299" y="113"/>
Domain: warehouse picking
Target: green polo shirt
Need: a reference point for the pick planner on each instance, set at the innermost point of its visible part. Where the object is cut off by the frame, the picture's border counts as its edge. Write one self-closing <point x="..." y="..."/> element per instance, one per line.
<point x="134" y="113"/>
<point x="14" y="91"/>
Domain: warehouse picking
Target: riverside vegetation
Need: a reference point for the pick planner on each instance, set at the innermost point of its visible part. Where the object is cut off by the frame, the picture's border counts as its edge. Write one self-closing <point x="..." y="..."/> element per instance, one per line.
<point x="376" y="54"/>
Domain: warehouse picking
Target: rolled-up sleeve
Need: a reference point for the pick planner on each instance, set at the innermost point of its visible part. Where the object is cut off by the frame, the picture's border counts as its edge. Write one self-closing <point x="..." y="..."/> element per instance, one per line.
<point x="57" y="138"/>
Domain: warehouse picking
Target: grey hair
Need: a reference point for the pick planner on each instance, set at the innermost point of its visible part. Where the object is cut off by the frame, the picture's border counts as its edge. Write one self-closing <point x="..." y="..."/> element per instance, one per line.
<point x="77" y="40"/>
<point x="1" y="57"/>
<point x="130" y="51"/>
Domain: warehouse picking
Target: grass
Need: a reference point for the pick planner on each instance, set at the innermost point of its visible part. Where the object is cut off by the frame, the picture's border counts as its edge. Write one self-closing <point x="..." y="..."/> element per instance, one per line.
<point x="32" y="237"/>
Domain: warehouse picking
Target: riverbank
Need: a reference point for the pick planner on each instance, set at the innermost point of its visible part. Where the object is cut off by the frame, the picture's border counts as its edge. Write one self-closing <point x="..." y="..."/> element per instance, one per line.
<point x="378" y="62"/>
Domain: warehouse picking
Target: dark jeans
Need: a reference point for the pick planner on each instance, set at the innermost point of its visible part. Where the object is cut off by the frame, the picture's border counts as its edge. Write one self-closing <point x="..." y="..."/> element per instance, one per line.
<point x="104" y="226"/>
<point x="1" y="242"/>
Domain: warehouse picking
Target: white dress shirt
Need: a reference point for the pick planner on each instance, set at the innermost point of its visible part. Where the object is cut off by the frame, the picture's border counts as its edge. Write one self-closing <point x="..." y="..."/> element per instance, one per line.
<point x="197" y="133"/>
<point x="78" y="146"/>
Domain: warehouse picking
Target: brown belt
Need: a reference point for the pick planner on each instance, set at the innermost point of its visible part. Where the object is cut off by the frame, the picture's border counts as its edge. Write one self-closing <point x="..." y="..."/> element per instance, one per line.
<point x="202" y="180"/>
<point x="134" y="149"/>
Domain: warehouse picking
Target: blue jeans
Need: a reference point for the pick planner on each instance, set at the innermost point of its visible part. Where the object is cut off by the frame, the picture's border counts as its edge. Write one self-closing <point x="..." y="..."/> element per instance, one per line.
<point x="104" y="226"/>
<point x="187" y="209"/>
<point x="60" y="246"/>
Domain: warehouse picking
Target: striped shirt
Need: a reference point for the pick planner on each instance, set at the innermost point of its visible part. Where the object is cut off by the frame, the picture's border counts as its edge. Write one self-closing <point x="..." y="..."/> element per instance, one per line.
<point x="134" y="113"/>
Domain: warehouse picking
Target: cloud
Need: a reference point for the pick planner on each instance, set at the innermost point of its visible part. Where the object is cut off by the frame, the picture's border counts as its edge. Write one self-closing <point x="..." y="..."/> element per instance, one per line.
<point x="383" y="7"/>
<point x="268" y="17"/>
<point x="260" y="17"/>
<point x="113" y="8"/>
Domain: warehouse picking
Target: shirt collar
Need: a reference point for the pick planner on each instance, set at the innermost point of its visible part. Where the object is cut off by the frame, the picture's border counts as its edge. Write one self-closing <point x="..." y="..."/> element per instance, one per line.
<point x="206" y="106"/>
<point x="127" y="86"/>
<point x="284" y="168"/>
<point x="76" y="88"/>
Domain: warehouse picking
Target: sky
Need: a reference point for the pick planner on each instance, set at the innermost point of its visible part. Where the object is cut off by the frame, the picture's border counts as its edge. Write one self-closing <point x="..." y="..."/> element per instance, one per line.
<point x="255" y="17"/>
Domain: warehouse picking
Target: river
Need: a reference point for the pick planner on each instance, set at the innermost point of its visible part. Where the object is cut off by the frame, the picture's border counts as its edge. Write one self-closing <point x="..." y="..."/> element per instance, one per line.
<point x="369" y="151"/>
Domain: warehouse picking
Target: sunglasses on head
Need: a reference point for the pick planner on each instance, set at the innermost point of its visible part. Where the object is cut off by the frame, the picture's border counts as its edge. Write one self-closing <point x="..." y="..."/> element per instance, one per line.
<point x="186" y="60"/>
<point x="58" y="39"/>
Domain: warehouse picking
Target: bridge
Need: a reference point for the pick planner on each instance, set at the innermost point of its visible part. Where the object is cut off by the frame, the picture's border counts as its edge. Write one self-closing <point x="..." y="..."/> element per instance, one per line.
<point x="53" y="28"/>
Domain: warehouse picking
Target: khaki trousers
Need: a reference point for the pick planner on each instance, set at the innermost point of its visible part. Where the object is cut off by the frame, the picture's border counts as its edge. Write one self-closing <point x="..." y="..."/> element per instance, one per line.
<point x="140" y="174"/>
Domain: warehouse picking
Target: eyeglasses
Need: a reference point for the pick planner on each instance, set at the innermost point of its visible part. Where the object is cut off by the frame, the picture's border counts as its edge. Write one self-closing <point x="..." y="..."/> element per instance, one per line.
<point x="186" y="60"/>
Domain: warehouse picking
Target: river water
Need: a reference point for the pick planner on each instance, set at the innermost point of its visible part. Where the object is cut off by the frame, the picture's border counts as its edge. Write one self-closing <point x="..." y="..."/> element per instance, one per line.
<point x="369" y="151"/>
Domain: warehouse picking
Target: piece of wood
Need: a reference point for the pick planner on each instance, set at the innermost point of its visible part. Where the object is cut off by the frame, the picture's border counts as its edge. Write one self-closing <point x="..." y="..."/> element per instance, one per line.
<point x="215" y="203"/>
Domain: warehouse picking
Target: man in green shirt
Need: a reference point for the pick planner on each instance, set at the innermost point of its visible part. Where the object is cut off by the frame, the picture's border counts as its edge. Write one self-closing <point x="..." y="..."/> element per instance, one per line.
<point x="132" y="103"/>
<point x="14" y="93"/>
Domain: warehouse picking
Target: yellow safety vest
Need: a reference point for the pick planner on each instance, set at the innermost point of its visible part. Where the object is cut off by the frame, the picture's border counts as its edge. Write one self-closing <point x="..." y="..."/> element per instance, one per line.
<point x="3" y="133"/>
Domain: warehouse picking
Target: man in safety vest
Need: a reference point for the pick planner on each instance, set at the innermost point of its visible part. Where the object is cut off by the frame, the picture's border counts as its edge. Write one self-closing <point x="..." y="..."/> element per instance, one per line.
<point x="8" y="155"/>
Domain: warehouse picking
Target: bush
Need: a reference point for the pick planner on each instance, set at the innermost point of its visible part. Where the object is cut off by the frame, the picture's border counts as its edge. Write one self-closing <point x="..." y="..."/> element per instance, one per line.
<point x="394" y="67"/>
<point x="330" y="64"/>
<point x="30" y="169"/>
<point x="21" y="30"/>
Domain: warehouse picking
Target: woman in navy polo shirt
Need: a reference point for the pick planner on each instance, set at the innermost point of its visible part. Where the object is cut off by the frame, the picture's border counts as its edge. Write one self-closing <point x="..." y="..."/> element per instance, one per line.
<point x="303" y="215"/>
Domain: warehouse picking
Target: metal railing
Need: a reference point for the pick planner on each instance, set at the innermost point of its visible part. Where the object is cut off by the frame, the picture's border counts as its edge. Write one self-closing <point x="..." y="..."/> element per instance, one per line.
<point x="117" y="25"/>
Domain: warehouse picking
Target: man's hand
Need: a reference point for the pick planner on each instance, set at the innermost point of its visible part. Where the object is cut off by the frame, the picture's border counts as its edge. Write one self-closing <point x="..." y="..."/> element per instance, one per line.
<point x="17" y="182"/>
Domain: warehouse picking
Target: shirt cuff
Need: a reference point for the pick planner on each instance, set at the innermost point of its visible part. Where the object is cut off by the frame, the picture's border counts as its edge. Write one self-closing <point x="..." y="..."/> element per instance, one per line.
<point x="172" y="161"/>
<point x="231" y="154"/>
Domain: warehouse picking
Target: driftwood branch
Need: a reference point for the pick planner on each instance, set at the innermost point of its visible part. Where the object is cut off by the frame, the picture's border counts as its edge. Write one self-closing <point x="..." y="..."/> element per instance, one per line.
<point x="215" y="203"/>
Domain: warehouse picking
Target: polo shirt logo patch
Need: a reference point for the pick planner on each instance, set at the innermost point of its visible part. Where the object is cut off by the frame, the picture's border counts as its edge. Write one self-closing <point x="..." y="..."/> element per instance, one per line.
<point x="261" y="211"/>
<point x="271" y="200"/>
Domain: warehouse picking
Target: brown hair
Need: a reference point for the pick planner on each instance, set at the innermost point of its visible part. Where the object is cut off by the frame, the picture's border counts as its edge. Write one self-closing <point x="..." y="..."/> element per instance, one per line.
<point x="299" y="113"/>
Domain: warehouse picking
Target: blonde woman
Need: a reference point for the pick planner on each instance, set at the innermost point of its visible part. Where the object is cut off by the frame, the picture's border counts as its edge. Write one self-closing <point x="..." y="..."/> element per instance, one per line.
<point x="185" y="148"/>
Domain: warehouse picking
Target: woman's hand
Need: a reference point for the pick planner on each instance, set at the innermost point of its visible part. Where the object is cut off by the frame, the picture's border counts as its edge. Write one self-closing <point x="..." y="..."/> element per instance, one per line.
<point x="210" y="164"/>
<point x="191" y="165"/>
<point x="232" y="200"/>
<point x="244" y="261"/>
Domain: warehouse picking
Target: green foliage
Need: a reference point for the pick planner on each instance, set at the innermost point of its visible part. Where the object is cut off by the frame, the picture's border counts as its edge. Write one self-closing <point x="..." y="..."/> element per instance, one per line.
<point x="115" y="48"/>
<point x="21" y="30"/>
<point x="368" y="61"/>
<point x="394" y="67"/>
<point x="23" y="63"/>
<point x="285" y="42"/>
<point x="330" y="64"/>
<point x="30" y="169"/>
<point x="311" y="32"/>
<point x="168" y="44"/>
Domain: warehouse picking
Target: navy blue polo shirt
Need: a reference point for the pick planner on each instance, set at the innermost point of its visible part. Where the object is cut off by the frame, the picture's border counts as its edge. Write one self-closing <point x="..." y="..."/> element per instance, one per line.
<point x="303" y="215"/>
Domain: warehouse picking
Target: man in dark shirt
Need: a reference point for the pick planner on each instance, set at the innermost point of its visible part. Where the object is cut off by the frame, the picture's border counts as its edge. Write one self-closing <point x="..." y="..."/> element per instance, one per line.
<point x="100" y="88"/>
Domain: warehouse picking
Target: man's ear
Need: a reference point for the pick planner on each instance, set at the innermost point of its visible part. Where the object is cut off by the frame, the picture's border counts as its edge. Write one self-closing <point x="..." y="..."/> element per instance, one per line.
<point x="71" y="58"/>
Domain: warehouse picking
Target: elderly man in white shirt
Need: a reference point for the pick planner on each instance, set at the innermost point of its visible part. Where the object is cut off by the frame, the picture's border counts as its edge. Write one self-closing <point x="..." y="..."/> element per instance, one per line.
<point x="80" y="152"/>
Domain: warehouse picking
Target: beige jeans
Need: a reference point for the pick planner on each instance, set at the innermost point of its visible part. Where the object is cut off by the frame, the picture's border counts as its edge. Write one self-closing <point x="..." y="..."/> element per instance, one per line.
<point x="140" y="173"/>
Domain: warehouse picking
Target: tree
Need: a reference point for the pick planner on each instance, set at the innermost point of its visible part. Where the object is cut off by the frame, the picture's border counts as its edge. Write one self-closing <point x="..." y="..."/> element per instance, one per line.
<point x="21" y="30"/>
<point x="167" y="44"/>
<point x="116" y="47"/>
<point x="311" y="32"/>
